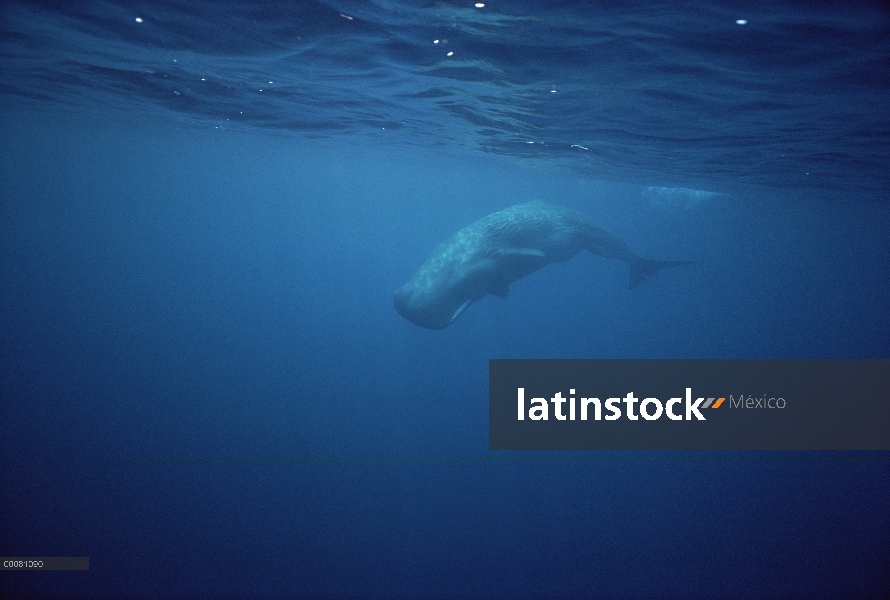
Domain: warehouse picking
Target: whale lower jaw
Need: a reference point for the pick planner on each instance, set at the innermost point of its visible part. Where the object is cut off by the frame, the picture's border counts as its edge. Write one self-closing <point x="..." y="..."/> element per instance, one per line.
<point x="459" y="310"/>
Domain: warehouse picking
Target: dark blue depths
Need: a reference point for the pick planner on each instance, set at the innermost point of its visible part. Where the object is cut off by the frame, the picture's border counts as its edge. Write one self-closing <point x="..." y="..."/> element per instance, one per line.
<point x="180" y="283"/>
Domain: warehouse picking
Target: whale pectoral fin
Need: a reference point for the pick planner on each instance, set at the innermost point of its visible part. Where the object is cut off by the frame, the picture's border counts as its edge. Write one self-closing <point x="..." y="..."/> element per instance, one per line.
<point x="502" y="291"/>
<point x="459" y="310"/>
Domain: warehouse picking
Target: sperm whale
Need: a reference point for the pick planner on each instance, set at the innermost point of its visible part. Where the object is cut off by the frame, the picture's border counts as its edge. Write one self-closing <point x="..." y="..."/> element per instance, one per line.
<point x="488" y="255"/>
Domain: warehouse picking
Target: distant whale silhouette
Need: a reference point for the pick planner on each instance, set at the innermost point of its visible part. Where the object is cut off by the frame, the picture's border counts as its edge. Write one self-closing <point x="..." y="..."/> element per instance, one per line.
<point x="490" y="254"/>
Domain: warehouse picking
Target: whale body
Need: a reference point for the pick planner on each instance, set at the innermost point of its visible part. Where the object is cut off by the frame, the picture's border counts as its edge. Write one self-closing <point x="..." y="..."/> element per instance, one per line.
<point x="487" y="256"/>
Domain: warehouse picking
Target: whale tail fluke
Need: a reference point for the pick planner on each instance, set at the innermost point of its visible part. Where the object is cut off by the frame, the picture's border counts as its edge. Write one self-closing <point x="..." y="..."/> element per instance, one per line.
<point x="642" y="269"/>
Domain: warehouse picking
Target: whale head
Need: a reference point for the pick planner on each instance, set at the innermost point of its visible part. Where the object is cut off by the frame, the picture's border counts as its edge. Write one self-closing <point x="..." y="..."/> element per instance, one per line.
<point x="427" y="308"/>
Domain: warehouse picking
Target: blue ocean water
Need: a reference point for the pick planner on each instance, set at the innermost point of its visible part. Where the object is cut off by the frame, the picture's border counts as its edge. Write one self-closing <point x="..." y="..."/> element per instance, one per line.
<point x="205" y="209"/>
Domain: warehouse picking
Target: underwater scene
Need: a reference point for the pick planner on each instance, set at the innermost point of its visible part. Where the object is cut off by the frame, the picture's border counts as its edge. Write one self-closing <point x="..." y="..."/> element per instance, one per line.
<point x="255" y="258"/>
